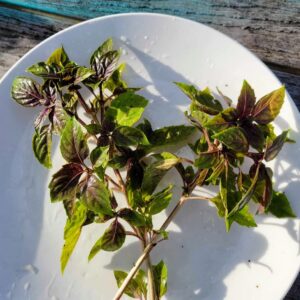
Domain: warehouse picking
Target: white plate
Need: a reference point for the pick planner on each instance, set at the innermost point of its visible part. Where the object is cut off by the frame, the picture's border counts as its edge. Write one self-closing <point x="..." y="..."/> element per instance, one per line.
<point x="204" y="262"/>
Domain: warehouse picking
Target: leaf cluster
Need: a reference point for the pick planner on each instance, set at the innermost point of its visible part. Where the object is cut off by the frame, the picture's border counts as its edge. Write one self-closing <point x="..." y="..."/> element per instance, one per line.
<point x="104" y="133"/>
<point x="229" y="136"/>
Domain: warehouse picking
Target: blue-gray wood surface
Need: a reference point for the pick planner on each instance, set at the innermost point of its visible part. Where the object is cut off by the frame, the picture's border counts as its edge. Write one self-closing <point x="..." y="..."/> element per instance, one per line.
<point x="269" y="28"/>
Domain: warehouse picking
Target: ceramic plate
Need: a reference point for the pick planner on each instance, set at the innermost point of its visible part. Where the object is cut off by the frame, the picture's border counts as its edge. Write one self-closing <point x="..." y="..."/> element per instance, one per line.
<point x="204" y="261"/>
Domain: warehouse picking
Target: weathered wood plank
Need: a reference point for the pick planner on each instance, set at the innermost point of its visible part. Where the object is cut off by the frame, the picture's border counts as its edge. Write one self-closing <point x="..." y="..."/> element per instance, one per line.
<point x="271" y="29"/>
<point x="20" y="31"/>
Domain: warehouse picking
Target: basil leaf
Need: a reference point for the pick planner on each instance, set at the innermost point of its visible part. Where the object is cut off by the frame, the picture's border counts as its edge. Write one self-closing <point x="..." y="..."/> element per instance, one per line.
<point x="206" y="160"/>
<point x="105" y="65"/>
<point x="70" y="100"/>
<point x="248" y="195"/>
<point x="104" y="48"/>
<point x="43" y="70"/>
<point x="246" y="101"/>
<point x="82" y="73"/>
<point x="222" y="121"/>
<point x="41" y="118"/>
<point x="93" y="128"/>
<point x="115" y="81"/>
<point x="64" y="183"/>
<point x="274" y="147"/>
<point x="203" y="99"/>
<point x="73" y="145"/>
<point x="154" y="172"/>
<point x="280" y="206"/>
<point x="234" y="138"/>
<point x="132" y="217"/>
<point x="99" y="156"/>
<point x="58" y="118"/>
<point x="170" y="135"/>
<point x="243" y="218"/>
<point x="197" y="116"/>
<point x="268" y="107"/>
<point x="133" y="289"/>
<point x="129" y="136"/>
<point x="217" y="171"/>
<point x="254" y="135"/>
<point x="160" y="273"/>
<point x="96" y="196"/>
<point x="41" y="145"/>
<point x="112" y="239"/>
<point x="26" y="91"/>
<point x="72" y="232"/>
<point x="126" y="109"/>
<point x="159" y="201"/>
<point x="58" y="57"/>
<point x="135" y="174"/>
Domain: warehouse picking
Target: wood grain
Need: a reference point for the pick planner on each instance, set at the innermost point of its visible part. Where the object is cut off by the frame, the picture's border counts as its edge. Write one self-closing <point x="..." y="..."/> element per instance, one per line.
<point x="271" y="32"/>
<point x="20" y="31"/>
<point x="270" y="28"/>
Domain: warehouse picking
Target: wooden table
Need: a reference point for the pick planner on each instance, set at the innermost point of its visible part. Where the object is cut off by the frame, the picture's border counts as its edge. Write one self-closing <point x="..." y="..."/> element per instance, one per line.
<point x="269" y="28"/>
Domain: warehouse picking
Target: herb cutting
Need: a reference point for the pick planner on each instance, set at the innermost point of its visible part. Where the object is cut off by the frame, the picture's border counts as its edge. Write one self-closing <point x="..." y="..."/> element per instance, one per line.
<point x="112" y="153"/>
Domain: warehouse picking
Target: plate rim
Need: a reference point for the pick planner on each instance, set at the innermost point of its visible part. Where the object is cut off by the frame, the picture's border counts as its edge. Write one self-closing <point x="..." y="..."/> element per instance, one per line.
<point x="167" y="16"/>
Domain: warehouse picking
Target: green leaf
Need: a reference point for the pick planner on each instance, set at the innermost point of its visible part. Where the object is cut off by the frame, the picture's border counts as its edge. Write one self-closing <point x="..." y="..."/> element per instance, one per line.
<point x="115" y="81"/>
<point x="171" y="135"/>
<point x="41" y="145"/>
<point x="132" y="217"/>
<point x="100" y="156"/>
<point x="118" y="162"/>
<point x="26" y="91"/>
<point x="140" y="279"/>
<point x="58" y="118"/>
<point x="248" y="195"/>
<point x="73" y="145"/>
<point x="268" y="107"/>
<point x="70" y="100"/>
<point x="217" y="171"/>
<point x="72" y="232"/>
<point x="206" y="160"/>
<point x="135" y="174"/>
<point x="43" y="70"/>
<point x="82" y="73"/>
<point x="58" y="57"/>
<point x="280" y="206"/>
<point x="96" y="196"/>
<point x="155" y="171"/>
<point x="160" y="273"/>
<point x="146" y="127"/>
<point x="129" y="136"/>
<point x="159" y="201"/>
<point x="64" y="183"/>
<point x="203" y="99"/>
<point x="112" y="239"/>
<point x="243" y="218"/>
<point x="126" y="109"/>
<point x="274" y="147"/>
<point x="246" y="101"/>
<point x="198" y="116"/>
<point x="69" y="206"/>
<point x="222" y="121"/>
<point x="234" y="138"/>
<point x="105" y="65"/>
<point x="132" y="289"/>
<point x="104" y="48"/>
<point x="254" y="135"/>
<point x="93" y="128"/>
